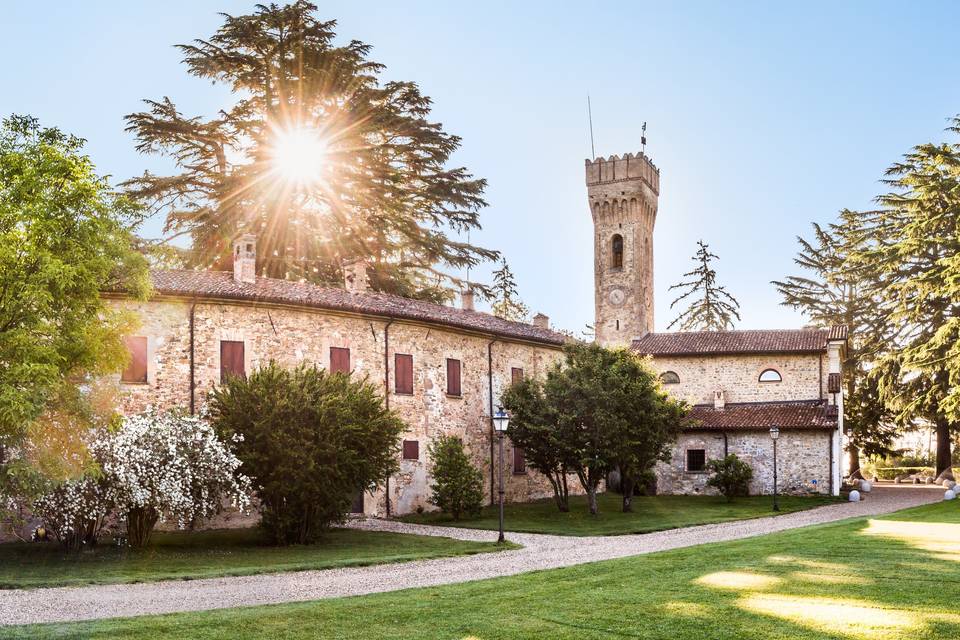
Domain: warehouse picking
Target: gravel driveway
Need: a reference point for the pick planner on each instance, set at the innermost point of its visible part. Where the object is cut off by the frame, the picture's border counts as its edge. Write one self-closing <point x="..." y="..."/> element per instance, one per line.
<point x="539" y="552"/>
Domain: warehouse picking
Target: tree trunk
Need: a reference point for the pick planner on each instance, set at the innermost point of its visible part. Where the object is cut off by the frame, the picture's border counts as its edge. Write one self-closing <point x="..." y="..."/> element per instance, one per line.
<point x="558" y="481"/>
<point x="626" y="485"/>
<point x="592" y="498"/>
<point x="944" y="460"/>
<point x="140" y="523"/>
<point x="853" y="451"/>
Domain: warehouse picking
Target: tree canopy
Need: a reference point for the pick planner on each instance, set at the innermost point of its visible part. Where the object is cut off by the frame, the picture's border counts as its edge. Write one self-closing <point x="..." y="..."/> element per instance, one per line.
<point x="318" y="155"/>
<point x="598" y="410"/>
<point x="712" y="308"/>
<point x="64" y="238"/>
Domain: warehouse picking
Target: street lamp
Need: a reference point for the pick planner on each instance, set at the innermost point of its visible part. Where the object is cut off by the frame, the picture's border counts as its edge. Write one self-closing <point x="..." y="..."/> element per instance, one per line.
<point x="774" y="435"/>
<point x="501" y="420"/>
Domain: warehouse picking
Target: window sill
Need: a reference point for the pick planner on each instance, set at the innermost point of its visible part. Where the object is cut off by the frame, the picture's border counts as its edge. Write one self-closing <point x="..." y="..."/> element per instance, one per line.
<point x="403" y="393"/>
<point x="132" y="383"/>
<point x="453" y="396"/>
<point x="519" y="473"/>
<point x="696" y="473"/>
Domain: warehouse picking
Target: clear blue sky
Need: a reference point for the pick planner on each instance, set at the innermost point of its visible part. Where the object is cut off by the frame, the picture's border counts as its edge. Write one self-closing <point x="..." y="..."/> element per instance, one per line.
<point x="762" y="117"/>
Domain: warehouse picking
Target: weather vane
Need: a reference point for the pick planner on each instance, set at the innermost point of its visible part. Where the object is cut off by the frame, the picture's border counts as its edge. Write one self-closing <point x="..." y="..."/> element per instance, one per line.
<point x="643" y="138"/>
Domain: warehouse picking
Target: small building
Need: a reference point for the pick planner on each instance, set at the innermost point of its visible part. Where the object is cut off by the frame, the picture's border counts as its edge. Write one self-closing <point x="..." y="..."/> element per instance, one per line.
<point x="740" y="385"/>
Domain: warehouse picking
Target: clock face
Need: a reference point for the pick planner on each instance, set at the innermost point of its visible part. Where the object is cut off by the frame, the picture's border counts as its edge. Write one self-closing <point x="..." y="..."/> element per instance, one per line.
<point x="616" y="297"/>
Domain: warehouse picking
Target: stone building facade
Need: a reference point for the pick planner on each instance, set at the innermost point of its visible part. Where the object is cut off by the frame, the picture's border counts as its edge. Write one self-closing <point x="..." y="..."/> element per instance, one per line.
<point x="197" y="323"/>
<point x="740" y="383"/>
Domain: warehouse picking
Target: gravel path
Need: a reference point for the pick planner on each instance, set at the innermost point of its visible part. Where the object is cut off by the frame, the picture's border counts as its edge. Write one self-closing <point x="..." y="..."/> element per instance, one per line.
<point x="539" y="552"/>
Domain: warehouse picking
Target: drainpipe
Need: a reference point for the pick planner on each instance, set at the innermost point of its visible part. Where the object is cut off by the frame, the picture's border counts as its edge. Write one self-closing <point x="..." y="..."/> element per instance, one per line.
<point x="830" y="445"/>
<point x="725" y="447"/>
<point x="490" y="385"/>
<point x="386" y="392"/>
<point x="193" y="384"/>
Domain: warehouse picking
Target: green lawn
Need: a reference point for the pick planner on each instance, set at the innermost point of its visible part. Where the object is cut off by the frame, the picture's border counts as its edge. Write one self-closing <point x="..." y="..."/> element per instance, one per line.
<point x="649" y="514"/>
<point x="209" y="554"/>
<point x="895" y="578"/>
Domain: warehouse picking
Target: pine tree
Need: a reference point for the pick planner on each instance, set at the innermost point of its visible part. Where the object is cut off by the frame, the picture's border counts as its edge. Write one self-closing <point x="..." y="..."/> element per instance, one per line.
<point x="317" y="155"/>
<point x="506" y="300"/>
<point x="713" y="309"/>
<point x="834" y="294"/>
<point x="914" y="256"/>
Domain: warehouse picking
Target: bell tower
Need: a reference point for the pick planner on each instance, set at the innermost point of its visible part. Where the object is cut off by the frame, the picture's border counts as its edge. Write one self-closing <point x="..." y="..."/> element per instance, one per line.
<point x="623" y="194"/>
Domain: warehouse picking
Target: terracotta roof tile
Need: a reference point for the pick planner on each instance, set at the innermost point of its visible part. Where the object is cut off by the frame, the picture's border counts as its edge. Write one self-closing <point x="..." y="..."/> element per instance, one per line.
<point x="691" y="343"/>
<point x="763" y="415"/>
<point x="220" y="285"/>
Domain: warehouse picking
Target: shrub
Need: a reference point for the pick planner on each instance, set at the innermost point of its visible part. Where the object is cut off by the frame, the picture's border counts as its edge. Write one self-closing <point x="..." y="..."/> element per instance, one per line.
<point x="730" y="475"/>
<point x="458" y="485"/>
<point x="309" y="439"/>
<point x="76" y="510"/>
<point x="167" y="465"/>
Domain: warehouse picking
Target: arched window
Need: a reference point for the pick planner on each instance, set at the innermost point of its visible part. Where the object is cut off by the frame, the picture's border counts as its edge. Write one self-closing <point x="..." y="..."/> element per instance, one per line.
<point x="770" y="375"/>
<point x="617" y="252"/>
<point x="669" y="377"/>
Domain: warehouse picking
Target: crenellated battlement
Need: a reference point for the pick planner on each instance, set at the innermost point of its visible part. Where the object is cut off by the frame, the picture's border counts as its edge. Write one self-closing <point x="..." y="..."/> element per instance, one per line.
<point x="623" y="168"/>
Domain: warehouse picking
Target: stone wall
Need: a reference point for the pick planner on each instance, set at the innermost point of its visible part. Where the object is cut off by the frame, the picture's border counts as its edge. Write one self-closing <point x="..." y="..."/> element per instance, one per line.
<point x="803" y="461"/>
<point x="292" y="335"/>
<point x="804" y="377"/>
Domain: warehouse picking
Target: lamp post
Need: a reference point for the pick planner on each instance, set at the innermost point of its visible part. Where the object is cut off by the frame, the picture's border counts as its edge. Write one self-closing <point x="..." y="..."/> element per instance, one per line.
<point x="501" y="420"/>
<point x="774" y="435"/>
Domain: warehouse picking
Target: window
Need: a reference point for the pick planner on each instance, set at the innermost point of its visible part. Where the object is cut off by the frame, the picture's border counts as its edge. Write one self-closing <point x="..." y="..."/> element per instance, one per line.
<point x="339" y="360"/>
<point x="616" y="246"/>
<point x="516" y="375"/>
<point x="770" y="375"/>
<point x="453" y="377"/>
<point x="136" y="371"/>
<point x="411" y="449"/>
<point x="231" y="359"/>
<point x="669" y="377"/>
<point x="519" y="461"/>
<point x="403" y="373"/>
<point x="696" y="460"/>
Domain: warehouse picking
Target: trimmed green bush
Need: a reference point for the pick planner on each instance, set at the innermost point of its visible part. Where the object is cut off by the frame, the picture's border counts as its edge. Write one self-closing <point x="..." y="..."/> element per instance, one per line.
<point x="458" y="485"/>
<point x="731" y="476"/>
<point x="308" y="440"/>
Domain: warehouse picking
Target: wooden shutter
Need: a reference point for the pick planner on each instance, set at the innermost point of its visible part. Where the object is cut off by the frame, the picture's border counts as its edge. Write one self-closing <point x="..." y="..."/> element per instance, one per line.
<point x="453" y="377"/>
<point x="411" y="449"/>
<point x="136" y="371"/>
<point x="339" y="360"/>
<point x="516" y="375"/>
<point x="231" y="359"/>
<point x="519" y="461"/>
<point x="833" y="383"/>
<point x="403" y="373"/>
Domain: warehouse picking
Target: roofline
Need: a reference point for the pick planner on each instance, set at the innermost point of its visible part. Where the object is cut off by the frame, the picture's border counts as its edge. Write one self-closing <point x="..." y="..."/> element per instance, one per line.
<point x="728" y="352"/>
<point x="260" y="301"/>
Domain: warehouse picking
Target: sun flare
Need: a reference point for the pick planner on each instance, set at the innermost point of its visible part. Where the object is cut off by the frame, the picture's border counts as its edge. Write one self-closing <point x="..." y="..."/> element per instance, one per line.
<point x="299" y="155"/>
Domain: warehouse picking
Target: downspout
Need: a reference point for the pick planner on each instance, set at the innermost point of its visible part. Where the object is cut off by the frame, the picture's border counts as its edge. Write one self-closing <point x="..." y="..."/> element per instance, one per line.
<point x="830" y="445"/>
<point x="725" y="445"/>
<point x="193" y="384"/>
<point x="386" y="392"/>
<point x="492" y="452"/>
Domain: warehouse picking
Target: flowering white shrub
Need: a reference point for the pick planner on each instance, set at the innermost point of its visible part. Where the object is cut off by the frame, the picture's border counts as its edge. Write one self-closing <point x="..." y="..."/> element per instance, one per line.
<point x="76" y="510"/>
<point x="168" y="466"/>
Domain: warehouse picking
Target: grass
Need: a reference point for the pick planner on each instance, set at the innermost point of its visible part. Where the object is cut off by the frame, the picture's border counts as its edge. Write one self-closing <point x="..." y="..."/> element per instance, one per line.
<point x="649" y="514"/>
<point x="208" y="554"/>
<point x="892" y="578"/>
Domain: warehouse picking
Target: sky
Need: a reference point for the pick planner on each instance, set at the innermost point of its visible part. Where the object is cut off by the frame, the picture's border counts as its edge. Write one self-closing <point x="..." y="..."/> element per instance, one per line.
<point x="762" y="117"/>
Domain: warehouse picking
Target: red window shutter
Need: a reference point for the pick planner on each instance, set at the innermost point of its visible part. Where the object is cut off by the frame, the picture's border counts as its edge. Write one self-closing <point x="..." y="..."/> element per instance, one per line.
<point x="231" y="359"/>
<point x="519" y="461"/>
<point x="136" y="371"/>
<point x="411" y="449"/>
<point x="339" y="360"/>
<point x="453" y="377"/>
<point x="403" y="373"/>
<point x="516" y="375"/>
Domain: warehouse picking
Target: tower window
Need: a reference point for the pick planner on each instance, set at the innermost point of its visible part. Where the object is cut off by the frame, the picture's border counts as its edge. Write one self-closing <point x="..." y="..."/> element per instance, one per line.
<point x="617" y="252"/>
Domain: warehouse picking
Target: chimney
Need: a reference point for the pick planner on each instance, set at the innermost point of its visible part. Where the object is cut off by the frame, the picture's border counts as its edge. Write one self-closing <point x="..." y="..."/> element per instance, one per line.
<point x="245" y="258"/>
<point x="541" y="321"/>
<point x="466" y="300"/>
<point x="719" y="400"/>
<point x="355" y="279"/>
